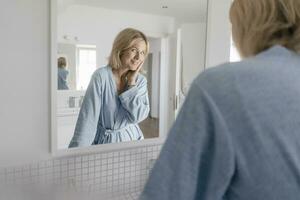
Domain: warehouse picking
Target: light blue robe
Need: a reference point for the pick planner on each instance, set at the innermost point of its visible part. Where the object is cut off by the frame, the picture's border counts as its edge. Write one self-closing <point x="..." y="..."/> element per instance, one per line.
<point x="237" y="136"/>
<point x="62" y="79"/>
<point x="105" y="116"/>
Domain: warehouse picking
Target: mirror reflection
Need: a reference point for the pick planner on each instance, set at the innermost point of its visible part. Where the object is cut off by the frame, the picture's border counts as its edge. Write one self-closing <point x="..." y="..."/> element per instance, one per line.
<point x="116" y="99"/>
<point x="62" y="74"/>
<point x="122" y="70"/>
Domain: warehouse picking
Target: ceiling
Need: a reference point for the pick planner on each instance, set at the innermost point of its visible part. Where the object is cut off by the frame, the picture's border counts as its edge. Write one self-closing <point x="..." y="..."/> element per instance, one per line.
<point x="182" y="10"/>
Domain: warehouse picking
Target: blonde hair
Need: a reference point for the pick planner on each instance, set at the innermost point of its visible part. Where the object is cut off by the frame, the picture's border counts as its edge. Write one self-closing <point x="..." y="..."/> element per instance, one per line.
<point x="260" y="24"/>
<point x="62" y="62"/>
<point x="122" y="42"/>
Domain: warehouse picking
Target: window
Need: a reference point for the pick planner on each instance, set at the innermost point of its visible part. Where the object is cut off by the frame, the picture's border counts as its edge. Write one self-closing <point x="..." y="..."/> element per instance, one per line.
<point x="86" y="65"/>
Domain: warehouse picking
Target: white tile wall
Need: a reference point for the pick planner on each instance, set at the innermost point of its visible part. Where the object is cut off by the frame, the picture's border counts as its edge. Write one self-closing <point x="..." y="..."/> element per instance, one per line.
<point x="112" y="175"/>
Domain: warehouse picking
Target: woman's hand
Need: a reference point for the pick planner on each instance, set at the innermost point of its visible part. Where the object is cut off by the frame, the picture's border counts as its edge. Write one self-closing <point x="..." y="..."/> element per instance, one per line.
<point x="132" y="75"/>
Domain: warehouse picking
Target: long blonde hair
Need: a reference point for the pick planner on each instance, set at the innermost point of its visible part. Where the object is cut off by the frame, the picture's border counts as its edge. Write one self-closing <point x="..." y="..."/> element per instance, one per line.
<point x="260" y="24"/>
<point x="122" y="42"/>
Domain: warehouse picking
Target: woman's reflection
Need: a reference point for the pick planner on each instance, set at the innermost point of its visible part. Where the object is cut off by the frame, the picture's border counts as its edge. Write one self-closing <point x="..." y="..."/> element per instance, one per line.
<point x="116" y="99"/>
<point x="62" y="74"/>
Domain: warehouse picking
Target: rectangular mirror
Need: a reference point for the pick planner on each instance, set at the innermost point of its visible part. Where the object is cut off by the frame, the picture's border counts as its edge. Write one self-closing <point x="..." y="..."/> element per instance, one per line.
<point x="83" y="34"/>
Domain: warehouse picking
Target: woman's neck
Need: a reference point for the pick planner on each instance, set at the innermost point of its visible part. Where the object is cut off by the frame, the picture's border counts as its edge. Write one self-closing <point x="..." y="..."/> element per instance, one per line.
<point x="120" y="72"/>
<point x="120" y="79"/>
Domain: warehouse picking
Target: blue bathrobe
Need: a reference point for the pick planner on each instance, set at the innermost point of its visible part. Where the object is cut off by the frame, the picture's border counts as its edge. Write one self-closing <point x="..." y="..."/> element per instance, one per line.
<point x="237" y="136"/>
<point x="105" y="116"/>
<point x="62" y="79"/>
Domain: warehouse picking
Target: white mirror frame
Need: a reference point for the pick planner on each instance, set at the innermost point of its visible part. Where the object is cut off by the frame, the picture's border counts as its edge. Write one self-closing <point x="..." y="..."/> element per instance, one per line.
<point x="103" y="147"/>
<point x="212" y="40"/>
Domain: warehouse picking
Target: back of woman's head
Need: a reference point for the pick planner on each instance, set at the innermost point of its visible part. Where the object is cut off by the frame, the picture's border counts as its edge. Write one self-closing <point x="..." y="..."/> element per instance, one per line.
<point x="260" y="24"/>
<point x="122" y="42"/>
<point x="62" y="62"/>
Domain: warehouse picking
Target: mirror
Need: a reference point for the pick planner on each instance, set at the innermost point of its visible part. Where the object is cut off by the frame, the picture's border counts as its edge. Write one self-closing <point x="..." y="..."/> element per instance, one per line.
<point x="84" y="33"/>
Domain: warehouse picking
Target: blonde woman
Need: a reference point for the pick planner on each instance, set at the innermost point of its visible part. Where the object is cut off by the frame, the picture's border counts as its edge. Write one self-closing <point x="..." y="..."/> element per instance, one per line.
<point x="116" y="99"/>
<point x="62" y="74"/>
<point x="237" y="136"/>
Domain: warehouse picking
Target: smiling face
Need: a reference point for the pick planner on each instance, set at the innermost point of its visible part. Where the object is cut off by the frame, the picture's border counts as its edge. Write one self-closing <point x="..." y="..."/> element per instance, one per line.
<point x="135" y="55"/>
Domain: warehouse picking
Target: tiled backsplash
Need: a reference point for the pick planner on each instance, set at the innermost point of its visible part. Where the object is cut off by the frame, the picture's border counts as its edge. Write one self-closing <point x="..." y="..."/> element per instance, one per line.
<point x="111" y="175"/>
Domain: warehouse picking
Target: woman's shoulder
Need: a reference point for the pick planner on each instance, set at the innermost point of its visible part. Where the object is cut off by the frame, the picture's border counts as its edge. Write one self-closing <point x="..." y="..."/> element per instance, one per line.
<point x="218" y="72"/>
<point x="263" y="62"/>
<point x="102" y="72"/>
<point x="223" y="77"/>
<point x="100" y="75"/>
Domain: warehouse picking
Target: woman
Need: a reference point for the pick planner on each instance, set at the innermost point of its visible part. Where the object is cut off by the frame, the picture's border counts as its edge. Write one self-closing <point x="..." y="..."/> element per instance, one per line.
<point x="237" y="135"/>
<point x="62" y="74"/>
<point x="116" y="99"/>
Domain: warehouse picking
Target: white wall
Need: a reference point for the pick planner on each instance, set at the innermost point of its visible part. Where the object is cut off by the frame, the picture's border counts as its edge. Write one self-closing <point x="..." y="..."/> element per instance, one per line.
<point x="99" y="26"/>
<point x="24" y="81"/>
<point x="218" y="33"/>
<point x="193" y="52"/>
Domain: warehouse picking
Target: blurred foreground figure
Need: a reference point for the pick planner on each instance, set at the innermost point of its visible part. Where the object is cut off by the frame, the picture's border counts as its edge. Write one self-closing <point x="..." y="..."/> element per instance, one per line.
<point x="237" y="136"/>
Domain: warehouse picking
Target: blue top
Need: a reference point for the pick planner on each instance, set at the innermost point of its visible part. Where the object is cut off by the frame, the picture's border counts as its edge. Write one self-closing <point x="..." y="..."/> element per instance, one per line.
<point x="237" y="136"/>
<point x="62" y="79"/>
<point x="105" y="116"/>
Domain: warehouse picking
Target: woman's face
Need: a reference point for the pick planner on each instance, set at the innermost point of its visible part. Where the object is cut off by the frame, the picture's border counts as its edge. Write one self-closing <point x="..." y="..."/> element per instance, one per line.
<point x="134" y="56"/>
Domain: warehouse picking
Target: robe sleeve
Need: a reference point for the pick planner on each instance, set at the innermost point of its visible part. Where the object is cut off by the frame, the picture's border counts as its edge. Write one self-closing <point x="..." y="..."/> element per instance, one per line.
<point x="86" y="126"/>
<point x="135" y="102"/>
<point x="197" y="160"/>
